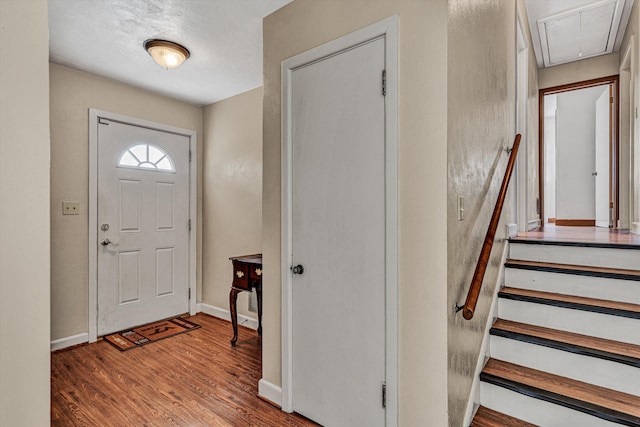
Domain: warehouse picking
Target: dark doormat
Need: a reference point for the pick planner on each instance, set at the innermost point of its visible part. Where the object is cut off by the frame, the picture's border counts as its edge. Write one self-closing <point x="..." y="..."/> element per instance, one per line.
<point x="137" y="337"/>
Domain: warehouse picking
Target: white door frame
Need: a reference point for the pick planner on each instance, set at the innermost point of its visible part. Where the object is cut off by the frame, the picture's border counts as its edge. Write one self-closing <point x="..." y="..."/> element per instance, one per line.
<point x="94" y="116"/>
<point x="389" y="29"/>
<point x="631" y="217"/>
<point x="522" y="161"/>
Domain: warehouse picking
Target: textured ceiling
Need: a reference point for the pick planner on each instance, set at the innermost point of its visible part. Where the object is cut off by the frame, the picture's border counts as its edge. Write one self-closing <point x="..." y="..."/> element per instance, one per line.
<point x="571" y="30"/>
<point x="105" y="37"/>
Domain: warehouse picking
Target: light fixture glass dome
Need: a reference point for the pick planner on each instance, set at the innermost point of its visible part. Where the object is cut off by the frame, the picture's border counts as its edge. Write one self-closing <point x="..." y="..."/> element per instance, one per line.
<point x="167" y="54"/>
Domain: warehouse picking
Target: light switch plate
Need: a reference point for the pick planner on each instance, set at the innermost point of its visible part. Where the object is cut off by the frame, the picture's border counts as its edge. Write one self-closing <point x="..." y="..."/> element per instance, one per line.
<point x="70" y="208"/>
<point x="460" y="208"/>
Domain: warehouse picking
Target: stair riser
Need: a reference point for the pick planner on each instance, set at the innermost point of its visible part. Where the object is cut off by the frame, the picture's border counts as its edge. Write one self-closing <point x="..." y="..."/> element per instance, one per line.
<point x="536" y="411"/>
<point x="596" y="257"/>
<point x="593" y="370"/>
<point x="582" y="322"/>
<point x="570" y="284"/>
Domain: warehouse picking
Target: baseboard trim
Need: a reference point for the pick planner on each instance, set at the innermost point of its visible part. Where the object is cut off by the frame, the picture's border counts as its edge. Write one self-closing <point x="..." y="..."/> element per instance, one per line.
<point x="533" y="224"/>
<point x="512" y="230"/>
<point x="65" y="342"/>
<point x="576" y="222"/>
<point x="225" y="314"/>
<point x="635" y="227"/>
<point x="270" y="392"/>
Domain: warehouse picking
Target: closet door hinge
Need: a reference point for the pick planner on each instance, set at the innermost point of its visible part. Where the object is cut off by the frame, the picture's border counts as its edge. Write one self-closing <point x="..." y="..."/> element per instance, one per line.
<point x="189" y="155"/>
<point x="189" y="225"/>
<point x="384" y="82"/>
<point x="384" y="394"/>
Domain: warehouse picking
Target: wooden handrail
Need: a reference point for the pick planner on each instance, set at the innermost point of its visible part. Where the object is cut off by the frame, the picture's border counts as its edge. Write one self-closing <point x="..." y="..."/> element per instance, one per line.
<point x="478" y="276"/>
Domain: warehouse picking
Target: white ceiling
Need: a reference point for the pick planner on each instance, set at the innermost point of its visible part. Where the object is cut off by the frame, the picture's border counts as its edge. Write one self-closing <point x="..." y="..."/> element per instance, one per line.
<point x="571" y="30"/>
<point x="105" y="37"/>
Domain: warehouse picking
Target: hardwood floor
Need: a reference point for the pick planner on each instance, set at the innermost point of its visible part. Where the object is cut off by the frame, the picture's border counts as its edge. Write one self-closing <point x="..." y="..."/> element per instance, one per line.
<point x="552" y="232"/>
<point x="193" y="379"/>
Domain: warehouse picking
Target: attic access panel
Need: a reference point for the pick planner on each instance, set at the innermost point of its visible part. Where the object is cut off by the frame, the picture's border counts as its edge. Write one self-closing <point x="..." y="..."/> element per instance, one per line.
<point x="580" y="33"/>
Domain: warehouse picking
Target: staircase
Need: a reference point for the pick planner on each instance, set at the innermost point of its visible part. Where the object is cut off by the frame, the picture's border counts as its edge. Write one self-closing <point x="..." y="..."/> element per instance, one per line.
<point x="565" y="349"/>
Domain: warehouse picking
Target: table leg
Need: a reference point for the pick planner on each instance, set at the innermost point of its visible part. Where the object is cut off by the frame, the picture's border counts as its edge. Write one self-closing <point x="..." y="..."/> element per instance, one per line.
<point x="233" y="298"/>
<point x="259" y="295"/>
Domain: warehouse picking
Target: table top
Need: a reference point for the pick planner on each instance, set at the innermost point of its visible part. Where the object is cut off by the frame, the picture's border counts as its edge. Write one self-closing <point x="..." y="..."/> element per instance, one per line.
<point x="249" y="259"/>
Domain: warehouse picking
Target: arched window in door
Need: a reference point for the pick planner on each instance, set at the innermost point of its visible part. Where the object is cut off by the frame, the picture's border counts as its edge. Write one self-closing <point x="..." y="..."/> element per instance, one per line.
<point x="148" y="157"/>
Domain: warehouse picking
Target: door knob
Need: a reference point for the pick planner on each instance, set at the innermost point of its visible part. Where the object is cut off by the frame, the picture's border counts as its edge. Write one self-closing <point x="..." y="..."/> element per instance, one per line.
<point x="594" y="173"/>
<point x="105" y="242"/>
<point x="297" y="269"/>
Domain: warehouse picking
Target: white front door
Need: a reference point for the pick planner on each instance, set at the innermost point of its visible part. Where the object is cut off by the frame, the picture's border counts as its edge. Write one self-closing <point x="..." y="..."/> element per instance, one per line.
<point x="338" y="237"/>
<point x="143" y="225"/>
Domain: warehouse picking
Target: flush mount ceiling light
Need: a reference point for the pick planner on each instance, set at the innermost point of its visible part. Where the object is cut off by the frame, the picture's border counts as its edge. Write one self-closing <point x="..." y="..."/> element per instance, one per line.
<point x="167" y="54"/>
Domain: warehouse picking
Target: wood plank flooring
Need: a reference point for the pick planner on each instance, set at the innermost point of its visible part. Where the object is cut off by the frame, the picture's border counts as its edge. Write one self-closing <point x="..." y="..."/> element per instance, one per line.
<point x="193" y="379"/>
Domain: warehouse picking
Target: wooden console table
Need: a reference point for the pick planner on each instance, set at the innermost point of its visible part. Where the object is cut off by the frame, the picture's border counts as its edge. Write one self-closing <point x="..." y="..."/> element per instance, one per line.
<point x="247" y="275"/>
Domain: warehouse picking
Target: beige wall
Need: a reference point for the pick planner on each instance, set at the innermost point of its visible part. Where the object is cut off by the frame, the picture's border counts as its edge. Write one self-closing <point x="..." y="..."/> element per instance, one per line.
<point x="305" y="24"/>
<point x="232" y="192"/>
<point x="481" y="123"/>
<point x="72" y="94"/>
<point x="587" y="69"/>
<point x="24" y="214"/>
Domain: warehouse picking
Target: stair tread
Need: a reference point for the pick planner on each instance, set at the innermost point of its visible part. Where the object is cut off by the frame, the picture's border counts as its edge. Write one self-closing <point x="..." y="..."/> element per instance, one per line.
<point x="585" y="341"/>
<point x="486" y="417"/>
<point x="578" y="392"/>
<point x="573" y="267"/>
<point x="627" y="242"/>
<point x="572" y="299"/>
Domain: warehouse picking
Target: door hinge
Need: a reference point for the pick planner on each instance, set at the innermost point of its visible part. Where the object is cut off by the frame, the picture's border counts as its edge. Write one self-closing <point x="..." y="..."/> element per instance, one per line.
<point x="611" y="100"/>
<point x="384" y="394"/>
<point x="189" y="155"/>
<point x="103" y="121"/>
<point x="384" y="82"/>
<point x="189" y="294"/>
<point x="189" y="225"/>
